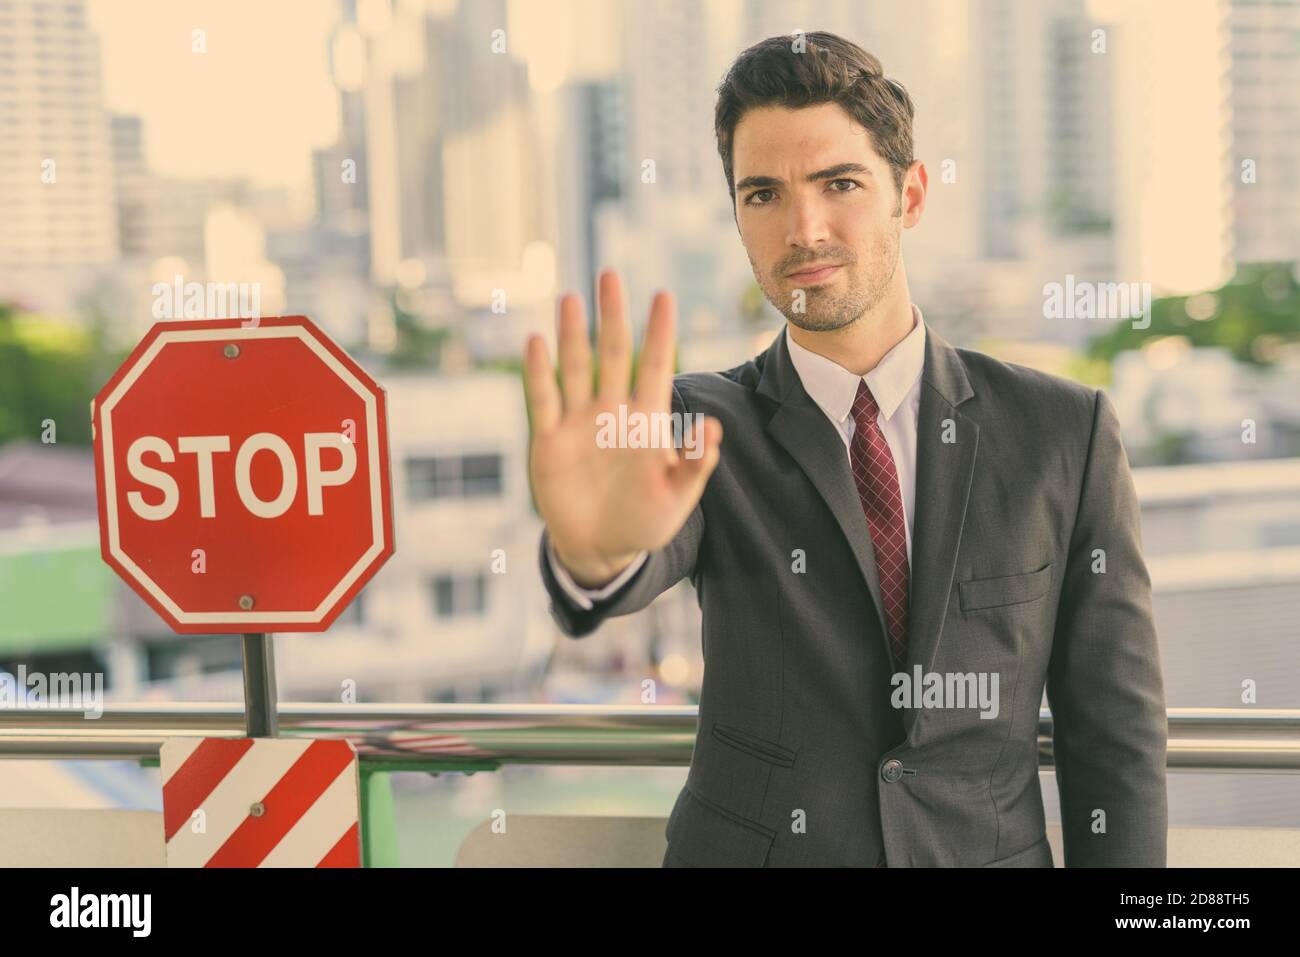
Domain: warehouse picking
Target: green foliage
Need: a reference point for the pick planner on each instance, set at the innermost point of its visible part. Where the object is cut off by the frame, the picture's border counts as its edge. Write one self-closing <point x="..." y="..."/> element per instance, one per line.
<point x="1258" y="307"/>
<point x="49" y="369"/>
<point x="511" y="365"/>
<point x="417" y="346"/>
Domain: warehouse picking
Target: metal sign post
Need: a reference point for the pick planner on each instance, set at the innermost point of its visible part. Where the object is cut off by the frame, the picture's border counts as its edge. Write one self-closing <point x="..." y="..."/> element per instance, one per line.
<point x="261" y="711"/>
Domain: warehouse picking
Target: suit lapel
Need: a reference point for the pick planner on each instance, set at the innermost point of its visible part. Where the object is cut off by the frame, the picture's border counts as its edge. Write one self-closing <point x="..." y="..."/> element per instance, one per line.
<point x="944" y="470"/>
<point x="803" y="430"/>
<point x="946" y="444"/>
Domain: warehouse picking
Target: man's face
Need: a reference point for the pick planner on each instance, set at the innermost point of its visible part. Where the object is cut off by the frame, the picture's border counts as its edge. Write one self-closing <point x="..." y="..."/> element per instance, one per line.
<point x="850" y="214"/>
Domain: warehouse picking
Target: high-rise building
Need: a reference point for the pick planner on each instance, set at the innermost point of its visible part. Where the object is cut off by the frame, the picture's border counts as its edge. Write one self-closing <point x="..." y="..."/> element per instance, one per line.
<point x="131" y="180"/>
<point x="460" y="191"/>
<point x="56" y="185"/>
<point x="1264" y="46"/>
<point x="591" y="156"/>
<point x="453" y="167"/>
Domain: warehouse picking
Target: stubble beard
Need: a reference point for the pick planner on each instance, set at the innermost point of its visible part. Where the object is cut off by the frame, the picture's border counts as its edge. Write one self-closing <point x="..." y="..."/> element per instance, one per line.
<point x="825" y="310"/>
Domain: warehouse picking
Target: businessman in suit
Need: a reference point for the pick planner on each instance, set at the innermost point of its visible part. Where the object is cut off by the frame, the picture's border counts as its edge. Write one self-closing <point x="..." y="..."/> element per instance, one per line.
<point x="897" y="546"/>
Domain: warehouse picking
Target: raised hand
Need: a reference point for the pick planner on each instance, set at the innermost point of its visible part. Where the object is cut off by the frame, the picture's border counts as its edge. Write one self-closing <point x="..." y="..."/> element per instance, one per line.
<point x="602" y="506"/>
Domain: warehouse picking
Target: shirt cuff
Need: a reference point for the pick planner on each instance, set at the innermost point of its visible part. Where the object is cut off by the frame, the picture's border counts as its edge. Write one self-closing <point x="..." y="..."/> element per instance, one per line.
<point x="585" y="598"/>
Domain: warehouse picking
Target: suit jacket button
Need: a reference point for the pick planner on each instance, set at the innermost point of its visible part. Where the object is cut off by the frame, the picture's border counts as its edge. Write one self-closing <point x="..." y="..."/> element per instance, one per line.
<point x="892" y="770"/>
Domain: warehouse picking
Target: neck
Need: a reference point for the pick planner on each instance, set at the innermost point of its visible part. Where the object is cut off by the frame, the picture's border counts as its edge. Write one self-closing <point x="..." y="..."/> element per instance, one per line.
<point x="860" y="345"/>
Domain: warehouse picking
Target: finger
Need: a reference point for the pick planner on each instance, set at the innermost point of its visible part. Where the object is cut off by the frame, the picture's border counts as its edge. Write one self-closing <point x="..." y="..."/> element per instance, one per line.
<point x="696" y="464"/>
<point x="575" y="352"/>
<point x="614" y="340"/>
<point x="654" y="375"/>
<point x="541" y="393"/>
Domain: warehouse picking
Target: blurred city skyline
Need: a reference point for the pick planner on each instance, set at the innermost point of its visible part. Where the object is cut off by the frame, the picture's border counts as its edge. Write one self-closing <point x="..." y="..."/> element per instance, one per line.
<point x="1149" y="143"/>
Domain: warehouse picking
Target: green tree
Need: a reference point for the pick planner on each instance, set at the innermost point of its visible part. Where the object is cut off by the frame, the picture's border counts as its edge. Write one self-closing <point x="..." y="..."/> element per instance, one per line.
<point x="1259" y="306"/>
<point x="417" y="346"/>
<point x="49" y="370"/>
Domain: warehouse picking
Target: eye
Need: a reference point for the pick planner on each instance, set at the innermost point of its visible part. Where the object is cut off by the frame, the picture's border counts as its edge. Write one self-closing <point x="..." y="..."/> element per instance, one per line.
<point x="750" y="200"/>
<point x="853" y="183"/>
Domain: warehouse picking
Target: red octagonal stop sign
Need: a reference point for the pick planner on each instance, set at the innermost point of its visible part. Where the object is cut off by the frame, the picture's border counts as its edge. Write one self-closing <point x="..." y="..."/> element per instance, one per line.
<point x="243" y="475"/>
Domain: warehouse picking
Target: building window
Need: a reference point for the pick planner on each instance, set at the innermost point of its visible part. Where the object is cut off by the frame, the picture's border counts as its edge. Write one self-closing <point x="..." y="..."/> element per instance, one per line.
<point x="453" y="476"/>
<point x="481" y="475"/>
<point x="455" y="596"/>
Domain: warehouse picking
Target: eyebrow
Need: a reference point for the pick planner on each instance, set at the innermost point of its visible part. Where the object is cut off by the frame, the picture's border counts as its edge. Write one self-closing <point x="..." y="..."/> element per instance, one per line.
<point x="830" y="172"/>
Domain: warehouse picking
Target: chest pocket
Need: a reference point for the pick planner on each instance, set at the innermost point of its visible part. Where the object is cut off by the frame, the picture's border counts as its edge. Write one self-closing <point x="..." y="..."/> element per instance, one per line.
<point x="1006" y="590"/>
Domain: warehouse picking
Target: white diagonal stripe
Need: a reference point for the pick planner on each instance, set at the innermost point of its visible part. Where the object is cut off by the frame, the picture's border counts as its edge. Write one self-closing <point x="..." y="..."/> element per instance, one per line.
<point x="227" y="806"/>
<point x="320" y="828"/>
<point x="174" y="753"/>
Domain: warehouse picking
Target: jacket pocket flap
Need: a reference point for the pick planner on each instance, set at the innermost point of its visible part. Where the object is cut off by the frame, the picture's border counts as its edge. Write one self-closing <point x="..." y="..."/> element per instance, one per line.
<point x="1007" y="590"/>
<point x="754" y="746"/>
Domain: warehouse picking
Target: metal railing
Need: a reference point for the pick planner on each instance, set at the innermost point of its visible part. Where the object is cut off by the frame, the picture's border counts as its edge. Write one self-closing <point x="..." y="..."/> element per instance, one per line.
<point x="474" y="737"/>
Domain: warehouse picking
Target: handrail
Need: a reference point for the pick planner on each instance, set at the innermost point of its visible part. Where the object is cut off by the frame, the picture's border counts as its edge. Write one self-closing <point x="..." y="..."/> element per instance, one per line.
<point x="478" y="736"/>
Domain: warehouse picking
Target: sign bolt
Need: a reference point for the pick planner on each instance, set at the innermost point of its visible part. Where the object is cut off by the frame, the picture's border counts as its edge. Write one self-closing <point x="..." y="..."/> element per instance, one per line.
<point x="231" y="351"/>
<point x="246" y="602"/>
<point x="258" y="809"/>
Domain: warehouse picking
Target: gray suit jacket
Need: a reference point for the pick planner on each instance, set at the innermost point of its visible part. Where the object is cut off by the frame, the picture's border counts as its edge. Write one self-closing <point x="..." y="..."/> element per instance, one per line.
<point x="1026" y="564"/>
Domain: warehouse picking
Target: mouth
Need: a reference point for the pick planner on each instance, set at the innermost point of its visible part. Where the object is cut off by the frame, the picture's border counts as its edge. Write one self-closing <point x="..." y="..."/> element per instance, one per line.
<point x="815" y="274"/>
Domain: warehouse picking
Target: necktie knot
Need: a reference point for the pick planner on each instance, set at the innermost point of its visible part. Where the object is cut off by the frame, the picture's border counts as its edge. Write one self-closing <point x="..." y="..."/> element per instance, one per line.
<point x="865" y="408"/>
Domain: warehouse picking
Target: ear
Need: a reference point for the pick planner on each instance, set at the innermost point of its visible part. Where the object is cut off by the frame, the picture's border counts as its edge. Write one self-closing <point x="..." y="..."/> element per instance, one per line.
<point x="915" y="184"/>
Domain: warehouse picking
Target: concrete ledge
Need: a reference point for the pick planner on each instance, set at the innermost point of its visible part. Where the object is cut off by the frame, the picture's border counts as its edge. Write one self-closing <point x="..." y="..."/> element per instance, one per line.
<point x="537" y="840"/>
<point x="37" y="837"/>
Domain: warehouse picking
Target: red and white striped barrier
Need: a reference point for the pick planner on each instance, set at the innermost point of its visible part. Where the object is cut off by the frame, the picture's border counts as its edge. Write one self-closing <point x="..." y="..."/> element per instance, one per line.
<point x="260" y="802"/>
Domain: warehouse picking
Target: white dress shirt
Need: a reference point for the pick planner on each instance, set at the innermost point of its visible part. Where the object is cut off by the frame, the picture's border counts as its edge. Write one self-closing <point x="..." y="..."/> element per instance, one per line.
<point x="895" y="383"/>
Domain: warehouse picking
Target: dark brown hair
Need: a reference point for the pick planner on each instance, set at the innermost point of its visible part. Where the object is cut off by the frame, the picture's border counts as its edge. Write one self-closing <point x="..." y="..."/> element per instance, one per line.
<point x="828" y="69"/>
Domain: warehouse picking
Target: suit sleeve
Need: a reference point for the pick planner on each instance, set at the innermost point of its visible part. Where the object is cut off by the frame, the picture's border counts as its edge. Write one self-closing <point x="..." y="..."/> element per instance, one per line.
<point x="585" y="598"/>
<point x="1104" y="686"/>
<point x="658" y="571"/>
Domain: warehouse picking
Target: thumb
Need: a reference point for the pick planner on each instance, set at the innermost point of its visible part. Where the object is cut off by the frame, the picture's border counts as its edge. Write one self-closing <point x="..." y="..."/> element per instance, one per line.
<point x="696" y="463"/>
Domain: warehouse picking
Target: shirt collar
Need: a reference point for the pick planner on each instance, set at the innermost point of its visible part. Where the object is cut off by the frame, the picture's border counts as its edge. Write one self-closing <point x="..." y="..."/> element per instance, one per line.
<point x="835" y="388"/>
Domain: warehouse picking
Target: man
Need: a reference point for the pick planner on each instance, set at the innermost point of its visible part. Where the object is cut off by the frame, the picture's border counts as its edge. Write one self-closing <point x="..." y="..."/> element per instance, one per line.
<point x="898" y="546"/>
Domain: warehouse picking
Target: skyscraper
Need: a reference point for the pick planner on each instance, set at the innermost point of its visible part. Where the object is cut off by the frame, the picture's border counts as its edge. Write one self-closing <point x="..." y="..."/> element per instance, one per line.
<point x="56" y="185"/>
<point x="1264" y="46"/>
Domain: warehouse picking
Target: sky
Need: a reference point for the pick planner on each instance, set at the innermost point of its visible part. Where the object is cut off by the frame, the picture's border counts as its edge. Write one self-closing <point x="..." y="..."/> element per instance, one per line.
<point x="254" y="104"/>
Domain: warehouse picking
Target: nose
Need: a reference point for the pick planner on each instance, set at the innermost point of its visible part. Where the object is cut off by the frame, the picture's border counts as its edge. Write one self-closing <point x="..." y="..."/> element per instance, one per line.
<point x="807" y="225"/>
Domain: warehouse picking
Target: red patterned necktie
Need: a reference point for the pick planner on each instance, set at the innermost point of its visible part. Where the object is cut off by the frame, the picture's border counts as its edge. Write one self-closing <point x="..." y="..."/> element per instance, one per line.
<point x="882" y="503"/>
<point x="877" y="481"/>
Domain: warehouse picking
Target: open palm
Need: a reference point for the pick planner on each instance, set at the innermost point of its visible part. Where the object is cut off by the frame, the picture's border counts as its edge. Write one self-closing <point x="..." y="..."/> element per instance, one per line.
<point x="602" y="506"/>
